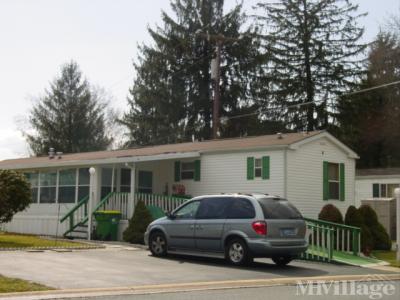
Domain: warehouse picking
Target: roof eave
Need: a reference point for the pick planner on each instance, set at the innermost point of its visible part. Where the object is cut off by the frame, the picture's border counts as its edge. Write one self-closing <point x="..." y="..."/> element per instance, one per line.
<point x="104" y="161"/>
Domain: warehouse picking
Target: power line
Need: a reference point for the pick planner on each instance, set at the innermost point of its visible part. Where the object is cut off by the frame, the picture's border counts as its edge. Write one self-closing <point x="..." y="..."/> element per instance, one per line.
<point x="372" y="88"/>
<point x="313" y="102"/>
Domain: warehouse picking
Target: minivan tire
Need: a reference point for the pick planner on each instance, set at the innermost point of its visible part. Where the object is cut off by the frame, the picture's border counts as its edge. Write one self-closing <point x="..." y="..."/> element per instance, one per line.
<point x="237" y="252"/>
<point x="158" y="244"/>
<point x="282" y="260"/>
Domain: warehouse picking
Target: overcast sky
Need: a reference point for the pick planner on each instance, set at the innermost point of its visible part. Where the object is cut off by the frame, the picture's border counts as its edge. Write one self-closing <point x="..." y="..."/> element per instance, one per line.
<point x="37" y="36"/>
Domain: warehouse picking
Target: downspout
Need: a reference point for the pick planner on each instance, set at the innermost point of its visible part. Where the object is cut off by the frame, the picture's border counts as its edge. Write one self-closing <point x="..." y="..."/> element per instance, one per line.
<point x="285" y="173"/>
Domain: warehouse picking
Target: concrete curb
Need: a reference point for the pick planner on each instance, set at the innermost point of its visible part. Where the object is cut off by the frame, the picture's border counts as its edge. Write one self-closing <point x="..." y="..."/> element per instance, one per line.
<point x="191" y="286"/>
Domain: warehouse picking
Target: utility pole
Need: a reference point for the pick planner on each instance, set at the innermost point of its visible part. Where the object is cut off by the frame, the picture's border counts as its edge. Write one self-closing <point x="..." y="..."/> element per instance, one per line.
<point x="219" y="39"/>
<point x="216" y="76"/>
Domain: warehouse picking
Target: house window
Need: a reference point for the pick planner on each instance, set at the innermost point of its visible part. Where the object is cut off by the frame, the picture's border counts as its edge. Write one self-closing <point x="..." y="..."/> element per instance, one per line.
<point x="257" y="167"/>
<point x="187" y="170"/>
<point x="67" y="186"/>
<point x="48" y="187"/>
<point x="334" y="181"/>
<point x="385" y="190"/>
<point x="33" y="179"/>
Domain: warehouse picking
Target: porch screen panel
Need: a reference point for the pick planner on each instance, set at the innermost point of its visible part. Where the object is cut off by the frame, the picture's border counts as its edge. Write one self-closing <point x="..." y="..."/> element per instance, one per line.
<point x="33" y="179"/>
<point x="48" y="186"/>
<point x="125" y="182"/>
<point x="67" y="186"/>
<point x="106" y="182"/>
<point x="83" y="183"/>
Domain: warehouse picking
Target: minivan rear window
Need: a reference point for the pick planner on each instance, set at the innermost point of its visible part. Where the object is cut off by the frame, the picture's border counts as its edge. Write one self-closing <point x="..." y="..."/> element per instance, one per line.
<point x="278" y="209"/>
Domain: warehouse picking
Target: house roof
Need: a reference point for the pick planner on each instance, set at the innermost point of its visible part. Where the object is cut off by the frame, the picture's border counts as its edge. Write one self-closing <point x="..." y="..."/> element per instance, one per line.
<point x="378" y="172"/>
<point x="169" y="150"/>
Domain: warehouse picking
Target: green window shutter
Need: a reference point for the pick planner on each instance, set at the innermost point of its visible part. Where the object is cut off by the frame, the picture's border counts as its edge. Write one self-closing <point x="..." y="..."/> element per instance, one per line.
<point x="177" y="171"/>
<point x="197" y="170"/>
<point x="342" y="183"/>
<point x="325" y="181"/>
<point x="265" y="167"/>
<point x="250" y="168"/>
<point x="375" y="190"/>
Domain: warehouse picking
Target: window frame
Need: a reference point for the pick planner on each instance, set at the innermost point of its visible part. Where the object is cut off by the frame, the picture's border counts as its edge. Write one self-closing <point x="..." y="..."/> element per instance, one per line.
<point x="193" y="171"/>
<point x="334" y="181"/>
<point x="260" y="167"/>
<point x="384" y="189"/>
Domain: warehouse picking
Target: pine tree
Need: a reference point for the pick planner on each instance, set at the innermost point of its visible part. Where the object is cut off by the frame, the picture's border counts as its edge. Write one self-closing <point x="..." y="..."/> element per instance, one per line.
<point x="171" y="98"/>
<point x="369" y="122"/>
<point x="315" y="55"/>
<point x="70" y="117"/>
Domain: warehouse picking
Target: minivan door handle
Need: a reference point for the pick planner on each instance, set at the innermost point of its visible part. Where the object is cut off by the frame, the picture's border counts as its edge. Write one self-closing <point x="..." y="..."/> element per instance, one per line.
<point x="199" y="227"/>
<point x="191" y="227"/>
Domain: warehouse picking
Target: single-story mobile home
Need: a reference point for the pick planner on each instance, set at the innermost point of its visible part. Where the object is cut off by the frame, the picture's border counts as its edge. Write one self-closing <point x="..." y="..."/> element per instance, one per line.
<point x="309" y="168"/>
<point x="377" y="184"/>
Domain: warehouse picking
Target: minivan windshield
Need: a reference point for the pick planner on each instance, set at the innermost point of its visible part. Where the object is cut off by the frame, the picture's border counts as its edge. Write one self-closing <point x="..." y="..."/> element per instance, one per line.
<point x="278" y="208"/>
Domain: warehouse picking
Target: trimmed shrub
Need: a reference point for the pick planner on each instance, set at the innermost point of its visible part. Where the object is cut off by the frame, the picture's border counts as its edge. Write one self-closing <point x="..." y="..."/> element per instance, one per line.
<point x="367" y="240"/>
<point x="353" y="217"/>
<point x="369" y="215"/>
<point x="381" y="240"/>
<point x="15" y="194"/>
<point x="331" y="213"/>
<point x="138" y="224"/>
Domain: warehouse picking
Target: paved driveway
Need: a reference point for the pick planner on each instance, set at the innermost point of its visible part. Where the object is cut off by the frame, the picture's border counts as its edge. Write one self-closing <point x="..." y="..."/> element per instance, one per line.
<point x="123" y="266"/>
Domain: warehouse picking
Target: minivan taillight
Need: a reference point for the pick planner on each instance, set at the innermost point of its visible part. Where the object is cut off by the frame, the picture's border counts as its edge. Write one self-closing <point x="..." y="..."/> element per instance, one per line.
<point x="260" y="227"/>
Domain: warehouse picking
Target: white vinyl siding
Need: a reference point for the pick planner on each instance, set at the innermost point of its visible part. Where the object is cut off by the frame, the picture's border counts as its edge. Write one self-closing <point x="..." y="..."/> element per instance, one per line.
<point x="226" y="173"/>
<point x="305" y="176"/>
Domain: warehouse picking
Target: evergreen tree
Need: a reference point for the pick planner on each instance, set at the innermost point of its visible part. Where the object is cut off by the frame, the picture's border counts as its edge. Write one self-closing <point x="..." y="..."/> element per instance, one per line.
<point x="369" y="122"/>
<point x="70" y="117"/>
<point x="171" y="98"/>
<point x="315" y="55"/>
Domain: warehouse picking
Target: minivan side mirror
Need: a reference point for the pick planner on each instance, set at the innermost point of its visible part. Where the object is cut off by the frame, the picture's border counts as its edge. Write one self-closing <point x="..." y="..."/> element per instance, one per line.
<point x="170" y="215"/>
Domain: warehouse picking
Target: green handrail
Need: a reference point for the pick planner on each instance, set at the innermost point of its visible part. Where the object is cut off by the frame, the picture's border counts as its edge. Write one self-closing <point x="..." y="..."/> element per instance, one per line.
<point x="78" y="205"/>
<point x="327" y="223"/>
<point x="355" y="232"/>
<point x="103" y="201"/>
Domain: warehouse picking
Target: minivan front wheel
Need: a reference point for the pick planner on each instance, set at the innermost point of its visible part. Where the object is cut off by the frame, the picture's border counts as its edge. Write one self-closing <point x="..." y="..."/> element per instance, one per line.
<point x="237" y="252"/>
<point x="281" y="260"/>
<point x="158" y="244"/>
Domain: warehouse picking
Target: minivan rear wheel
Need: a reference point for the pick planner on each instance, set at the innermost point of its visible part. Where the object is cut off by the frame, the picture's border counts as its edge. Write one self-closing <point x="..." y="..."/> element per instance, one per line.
<point x="282" y="260"/>
<point x="158" y="244"/>
<point x="237" y="252"/>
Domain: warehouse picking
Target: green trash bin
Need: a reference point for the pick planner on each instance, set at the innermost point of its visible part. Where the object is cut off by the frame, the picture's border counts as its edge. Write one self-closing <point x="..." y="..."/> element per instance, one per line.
<point x="107" y="224"/>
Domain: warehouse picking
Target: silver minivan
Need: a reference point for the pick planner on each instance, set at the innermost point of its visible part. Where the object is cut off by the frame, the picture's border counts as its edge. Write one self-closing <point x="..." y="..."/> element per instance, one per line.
<point x="237" y="227"/>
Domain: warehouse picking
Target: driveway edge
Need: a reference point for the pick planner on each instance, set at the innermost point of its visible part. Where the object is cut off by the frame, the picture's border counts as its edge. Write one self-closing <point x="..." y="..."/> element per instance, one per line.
<point x="191" y="286"/>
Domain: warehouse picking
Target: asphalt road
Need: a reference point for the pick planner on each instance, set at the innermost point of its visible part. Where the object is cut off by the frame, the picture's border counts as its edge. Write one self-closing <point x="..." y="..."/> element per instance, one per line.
<point x="362" y="291"/>
<point x="124" y="266"/>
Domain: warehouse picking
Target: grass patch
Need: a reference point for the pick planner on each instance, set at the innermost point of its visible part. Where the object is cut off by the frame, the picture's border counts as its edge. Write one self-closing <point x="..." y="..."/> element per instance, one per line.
<point x="13" y="285"/>
<point x="388" y="256"/>
<point x="12" y="240"/>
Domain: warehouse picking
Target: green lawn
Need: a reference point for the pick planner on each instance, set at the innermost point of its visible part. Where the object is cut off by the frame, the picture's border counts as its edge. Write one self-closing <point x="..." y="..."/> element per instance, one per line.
<point x="389" y="256"/>
<point x="11" y="285"/>
<point x="11" y="240"/>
